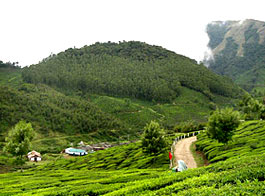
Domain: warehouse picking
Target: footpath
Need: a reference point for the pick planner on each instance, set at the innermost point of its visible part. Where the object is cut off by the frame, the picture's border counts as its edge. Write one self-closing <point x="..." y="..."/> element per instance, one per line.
<point x="182" y="152"/>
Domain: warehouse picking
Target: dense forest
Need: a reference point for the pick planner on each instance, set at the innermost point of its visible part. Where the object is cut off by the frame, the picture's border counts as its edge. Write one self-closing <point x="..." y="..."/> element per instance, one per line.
<point x="241" y="56"/>
<point x="49" y="110"/>
<point x="127" y="69"/>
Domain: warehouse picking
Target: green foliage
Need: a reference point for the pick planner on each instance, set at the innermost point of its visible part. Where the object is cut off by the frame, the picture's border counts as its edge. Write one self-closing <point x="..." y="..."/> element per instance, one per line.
<point x="18" y="141"/>
<point x="222" y="123"/>
<point x="153" y="141"/>
<point x="243" y="176"/>
<point x="10" y="65"/>
<point x="248" y="139"/>
<point x="10" y="76"/>
<point x="252" y="108"/>
<point x="49" y="110"/>
<point x="139" y="112"/>
<point x="189" y="126"/>
<point x="127" y="69"/>
<point x="128" y="156"/>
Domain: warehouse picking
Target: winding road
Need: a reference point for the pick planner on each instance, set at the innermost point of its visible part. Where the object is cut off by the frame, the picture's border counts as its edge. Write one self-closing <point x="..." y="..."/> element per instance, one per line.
<point x="182" y="152"/>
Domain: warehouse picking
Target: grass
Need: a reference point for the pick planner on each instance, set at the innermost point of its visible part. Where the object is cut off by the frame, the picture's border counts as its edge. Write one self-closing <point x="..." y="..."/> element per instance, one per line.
<point x="198" y="156"/>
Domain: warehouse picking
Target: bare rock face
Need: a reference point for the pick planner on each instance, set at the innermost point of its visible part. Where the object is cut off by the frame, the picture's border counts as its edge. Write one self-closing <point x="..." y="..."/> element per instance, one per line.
<point x="220" y="31"/>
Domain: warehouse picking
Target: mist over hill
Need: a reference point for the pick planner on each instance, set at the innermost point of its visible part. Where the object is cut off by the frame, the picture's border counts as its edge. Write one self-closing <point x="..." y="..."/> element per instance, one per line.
<point x="238" y="51"/>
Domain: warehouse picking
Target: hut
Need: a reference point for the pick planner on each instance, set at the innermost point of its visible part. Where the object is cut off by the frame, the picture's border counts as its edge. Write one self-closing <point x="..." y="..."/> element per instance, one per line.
<point x="34" y="156"/>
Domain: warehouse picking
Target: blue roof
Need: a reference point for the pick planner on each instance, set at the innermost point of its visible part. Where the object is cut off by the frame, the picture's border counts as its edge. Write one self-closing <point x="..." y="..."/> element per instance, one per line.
<point x="76" y="150"/>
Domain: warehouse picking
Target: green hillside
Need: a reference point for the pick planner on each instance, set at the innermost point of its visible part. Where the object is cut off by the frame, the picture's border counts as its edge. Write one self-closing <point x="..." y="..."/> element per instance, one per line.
<point x="189" y="105"/>
<point x="115" y="158"/>
<point x="51" y="112"/>
<point x="239" y="51"/>
<point x="108" y="90"/>
<point x="128" y="69"/>
<point x="10" y="75"/>
<point x="236" y="169"/>
<point x="136" y="82"/>
<point x="249" y="139"/>
<point x="61" y="119"/>
<point x="240" y="176"/>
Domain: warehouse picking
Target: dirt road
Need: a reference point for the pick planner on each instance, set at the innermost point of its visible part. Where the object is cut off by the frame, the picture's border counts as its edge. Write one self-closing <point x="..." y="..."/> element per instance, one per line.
<point x="182" y="152"/>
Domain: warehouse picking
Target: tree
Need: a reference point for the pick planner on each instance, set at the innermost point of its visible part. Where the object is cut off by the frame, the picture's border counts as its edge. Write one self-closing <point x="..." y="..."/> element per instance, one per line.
<point x="18" y="141"/>
<point x="153" y="140"/>
<point x="252" y="108"/>
<point x="222" y="123"/>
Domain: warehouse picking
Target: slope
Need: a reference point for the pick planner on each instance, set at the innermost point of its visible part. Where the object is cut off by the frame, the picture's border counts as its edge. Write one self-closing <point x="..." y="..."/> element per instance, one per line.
<point x="128" y="69"/>
<point x="238" y="49"/>
<point x="249" y="139"/>
<point x="51" y="112"/>
<point x="10" y="76"/>
<point x="60" y="119"/>
<point x="240" y="176"/>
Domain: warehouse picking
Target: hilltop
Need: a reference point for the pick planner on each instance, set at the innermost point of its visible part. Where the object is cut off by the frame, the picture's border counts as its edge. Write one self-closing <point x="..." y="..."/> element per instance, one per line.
<point x="238" y="51"/>
<point x="128" y="69"/>
<point x="108" y="91"/>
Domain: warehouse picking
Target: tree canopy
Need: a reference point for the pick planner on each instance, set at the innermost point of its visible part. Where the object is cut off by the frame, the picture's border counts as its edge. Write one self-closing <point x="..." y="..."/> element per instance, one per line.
<point x="152" y="139"/>
<point x="128" y="69"/>
<point x="18" y="141"/>
<point x="49" y="110"/>
<point x="252" y="108"/>
<point x="222" y="123"/>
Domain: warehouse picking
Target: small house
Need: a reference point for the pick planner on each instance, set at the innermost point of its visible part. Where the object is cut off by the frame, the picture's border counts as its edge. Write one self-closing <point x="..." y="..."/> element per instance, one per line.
<point x="34" y="156"/>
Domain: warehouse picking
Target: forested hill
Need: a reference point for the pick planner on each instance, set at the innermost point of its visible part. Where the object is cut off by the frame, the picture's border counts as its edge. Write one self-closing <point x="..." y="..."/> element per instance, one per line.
<point x="239" y="51"/>
<point x="128" y="69"/>
<point x="49" y="110"/>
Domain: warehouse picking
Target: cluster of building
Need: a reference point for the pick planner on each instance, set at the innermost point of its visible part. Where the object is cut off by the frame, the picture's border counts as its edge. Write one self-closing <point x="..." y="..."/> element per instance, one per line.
<point x="82" y="150"/>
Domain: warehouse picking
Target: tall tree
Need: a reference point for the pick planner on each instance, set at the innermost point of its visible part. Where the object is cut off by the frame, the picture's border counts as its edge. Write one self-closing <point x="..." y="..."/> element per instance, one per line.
<point x="153" y="140"/>
<point x="18" y="141"/>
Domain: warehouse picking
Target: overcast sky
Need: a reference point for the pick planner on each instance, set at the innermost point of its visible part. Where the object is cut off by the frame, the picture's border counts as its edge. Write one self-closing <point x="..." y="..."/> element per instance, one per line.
<point x="33" y="29"/>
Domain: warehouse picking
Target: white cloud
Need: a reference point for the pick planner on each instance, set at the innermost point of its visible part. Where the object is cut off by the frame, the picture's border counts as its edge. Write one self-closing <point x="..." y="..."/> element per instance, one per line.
<point x="31" y="30"/>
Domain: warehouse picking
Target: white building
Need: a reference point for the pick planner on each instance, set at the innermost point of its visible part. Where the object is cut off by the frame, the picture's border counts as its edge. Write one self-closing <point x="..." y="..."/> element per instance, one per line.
<point x="34" y="156"/>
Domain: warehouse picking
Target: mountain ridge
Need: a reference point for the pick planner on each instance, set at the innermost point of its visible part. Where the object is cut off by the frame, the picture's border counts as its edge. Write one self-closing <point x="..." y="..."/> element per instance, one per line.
<point x="238" y="51"/>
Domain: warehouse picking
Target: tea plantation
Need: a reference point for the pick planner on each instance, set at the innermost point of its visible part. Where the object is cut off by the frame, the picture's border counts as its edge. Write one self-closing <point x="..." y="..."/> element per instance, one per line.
<point x="124" y="170"/>
<point x="249" y="139"/>
<point x="119" y="157"/>
<point x="232" y="177"/>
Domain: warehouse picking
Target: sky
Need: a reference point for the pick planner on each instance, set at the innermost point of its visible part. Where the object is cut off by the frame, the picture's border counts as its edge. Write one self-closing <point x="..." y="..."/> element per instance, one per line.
<point x="33" y="29"/>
